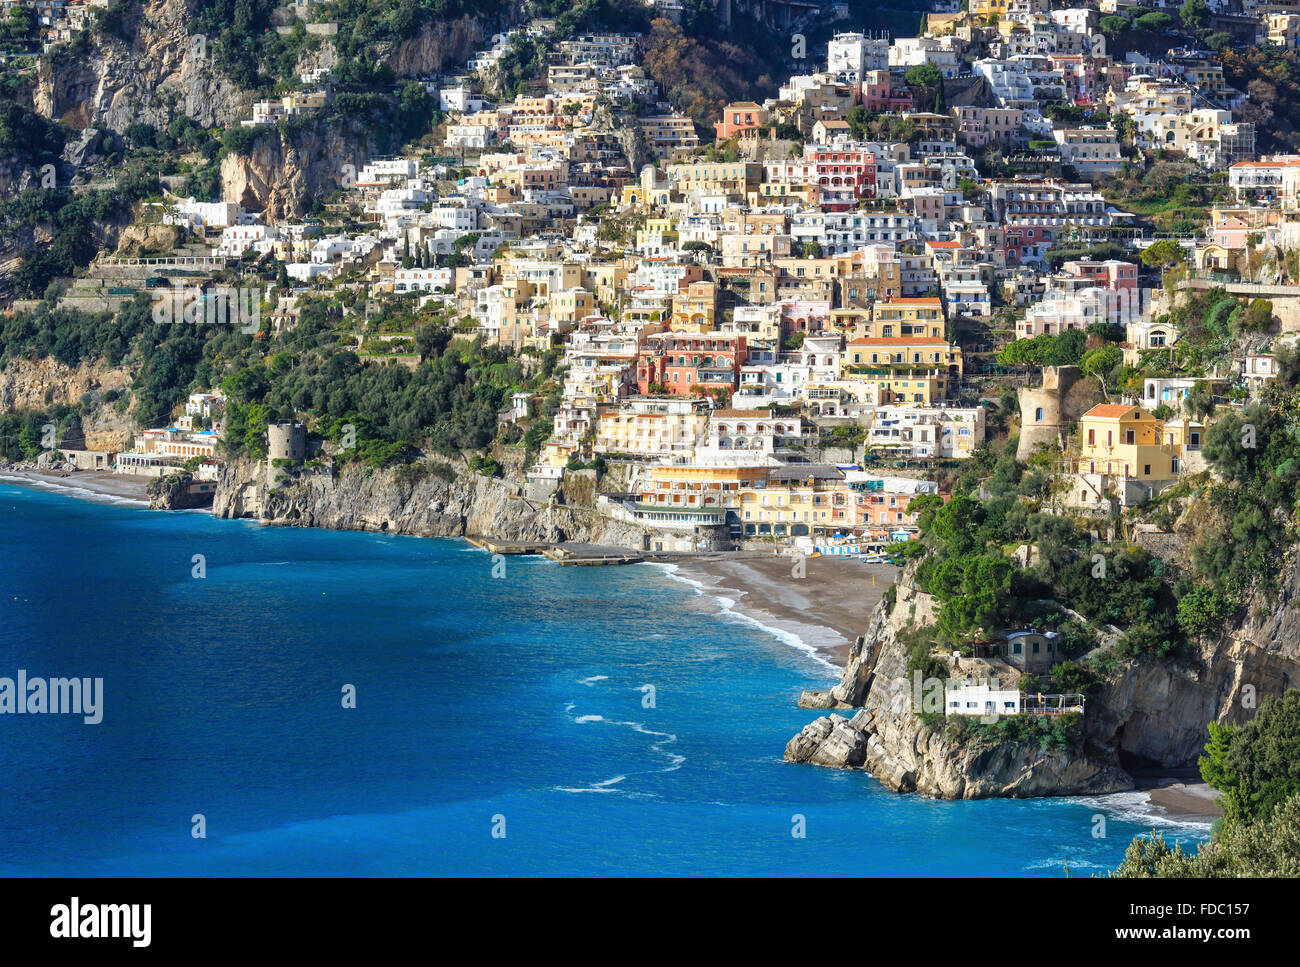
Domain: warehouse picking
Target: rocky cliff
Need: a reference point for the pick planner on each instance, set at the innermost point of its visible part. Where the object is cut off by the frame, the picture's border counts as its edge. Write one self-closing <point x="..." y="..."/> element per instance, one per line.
<point x="437" y="47"/>
<point x="35" y="384"/>
<point x="153" y="73"/>
<point x="1148" y="714"/>
<point x="466" y="505"/>
<point x="895" y="746"/>
<point x="282" y="173"/>
<point x="174" y="492"/>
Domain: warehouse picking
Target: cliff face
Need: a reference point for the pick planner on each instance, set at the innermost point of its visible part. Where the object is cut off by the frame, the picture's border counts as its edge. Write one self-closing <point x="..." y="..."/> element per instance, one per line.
<point x="886" y="739"/>
<point x="35" y="384"/>
<point x="1148" y="714"/>
<point x="438" y="46"/>
<point x="629" y="136"/>
<point x="470" y="505"/>
<point x="282" y="174"/>
<point x="1155" y="712"/>
<point x="159" y="74"/>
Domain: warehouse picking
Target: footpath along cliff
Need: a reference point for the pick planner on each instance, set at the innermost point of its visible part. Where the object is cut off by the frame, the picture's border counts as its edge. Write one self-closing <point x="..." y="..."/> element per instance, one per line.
<point x="1149" y="714"/>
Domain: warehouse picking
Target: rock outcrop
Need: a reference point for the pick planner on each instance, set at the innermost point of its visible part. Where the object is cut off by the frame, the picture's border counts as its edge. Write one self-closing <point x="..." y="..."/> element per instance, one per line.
<point x="896" y="747"/>
<point x="281" y="174"/>
<point x="925" y="761"/>
<point x="156" y="71"/>
<point x="174" y="492"/>
<point x="467" y="504"/>
<point x="438" y="46"/>
<point x="1149" y="714"/>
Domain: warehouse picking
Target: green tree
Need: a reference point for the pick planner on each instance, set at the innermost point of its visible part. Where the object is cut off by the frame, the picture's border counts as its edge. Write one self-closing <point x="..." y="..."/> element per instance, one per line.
<point x="1154" y="23"/>
<point x="923" y="75"/>
<point x="1113" y="26"/>
<point x="1256" y="765"/>
<point x="1164" y="254"/>
<point x="1101" y="362"/>
<point x="1195" y="14"/>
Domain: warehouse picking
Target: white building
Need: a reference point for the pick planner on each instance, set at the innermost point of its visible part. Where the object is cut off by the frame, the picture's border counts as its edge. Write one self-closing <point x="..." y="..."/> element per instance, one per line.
<point x="980" y="700"/>
<point x="852" y="55"/>
<point x="926" y="432"/>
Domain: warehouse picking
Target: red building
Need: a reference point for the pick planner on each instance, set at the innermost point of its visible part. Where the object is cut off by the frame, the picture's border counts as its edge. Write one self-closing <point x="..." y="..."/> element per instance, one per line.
<point x="1026" y="243"/>
<point x="681" y="360"/>
<point x="843" y="175"/>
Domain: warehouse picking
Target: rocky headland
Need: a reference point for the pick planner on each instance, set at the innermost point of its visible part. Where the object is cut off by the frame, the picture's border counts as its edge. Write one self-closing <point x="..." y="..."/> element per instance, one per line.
<point x="1149" y="715"/>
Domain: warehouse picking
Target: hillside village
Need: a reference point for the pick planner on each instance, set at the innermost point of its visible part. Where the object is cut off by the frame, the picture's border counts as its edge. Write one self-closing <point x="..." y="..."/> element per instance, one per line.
<point x="790" y="328"/>
<point x="1005" y="307"/>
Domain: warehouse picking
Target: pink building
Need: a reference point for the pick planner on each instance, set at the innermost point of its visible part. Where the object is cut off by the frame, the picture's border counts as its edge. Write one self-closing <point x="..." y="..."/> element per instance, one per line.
<point x="1111" y="274"/>
<point x="880" y="96"/>
<point x="806" y="317"/>
<point x="1079" y="73"/>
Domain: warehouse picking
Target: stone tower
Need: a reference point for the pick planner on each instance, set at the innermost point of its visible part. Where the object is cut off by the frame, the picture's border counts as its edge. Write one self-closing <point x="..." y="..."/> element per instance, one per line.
<point x="285" y="441"/>
<point x="1046" y="411"/>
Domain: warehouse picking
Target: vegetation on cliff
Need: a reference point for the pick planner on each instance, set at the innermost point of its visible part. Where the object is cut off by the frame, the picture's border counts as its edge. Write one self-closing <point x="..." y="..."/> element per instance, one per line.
<point x="446" y="400"/>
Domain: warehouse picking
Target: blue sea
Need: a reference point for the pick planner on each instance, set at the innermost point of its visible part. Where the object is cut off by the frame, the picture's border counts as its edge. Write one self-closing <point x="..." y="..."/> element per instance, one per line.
<point x="542" y="721"/>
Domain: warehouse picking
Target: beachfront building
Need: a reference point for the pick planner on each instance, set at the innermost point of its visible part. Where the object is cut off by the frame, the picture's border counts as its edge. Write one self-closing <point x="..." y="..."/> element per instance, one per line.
<point x="694" y="486"/>
<point x="797" y="499"/>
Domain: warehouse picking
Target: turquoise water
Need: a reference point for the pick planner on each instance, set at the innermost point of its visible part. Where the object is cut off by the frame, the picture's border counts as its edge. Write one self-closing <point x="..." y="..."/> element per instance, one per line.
<point x="512" y="705"/>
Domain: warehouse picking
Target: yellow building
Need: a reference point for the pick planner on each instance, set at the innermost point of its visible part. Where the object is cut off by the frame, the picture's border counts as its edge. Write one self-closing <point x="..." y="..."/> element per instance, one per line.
<point x="894" y="318"/>
<point x="1125" y="452"/>
<point x="905" y="369"/>
<point x="780" y="192"/>
<point x="694" y="309"/>
<point x="720" y="177"/>
<point x="988" y="8"/>
<point x="695" y="487"/>
<point x="794" y="509"/>
<point x="1284" y="29"/>
<point x="572" y="306"/>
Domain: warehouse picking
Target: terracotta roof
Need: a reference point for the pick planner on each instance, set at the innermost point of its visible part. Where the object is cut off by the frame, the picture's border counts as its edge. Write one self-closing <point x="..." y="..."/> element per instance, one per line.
<point x="1111" y="411"/>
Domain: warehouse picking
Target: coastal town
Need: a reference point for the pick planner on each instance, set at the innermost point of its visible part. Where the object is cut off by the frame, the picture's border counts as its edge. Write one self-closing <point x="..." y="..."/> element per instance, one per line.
<point x="954" y="347"/>
<point x="832" y="274"/>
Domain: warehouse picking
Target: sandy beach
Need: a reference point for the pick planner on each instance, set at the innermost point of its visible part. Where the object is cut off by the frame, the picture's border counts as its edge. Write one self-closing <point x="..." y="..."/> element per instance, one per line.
<point x="826" y="608"/>
<point x="1186" y="800"/>
<point x="90" y="484"/>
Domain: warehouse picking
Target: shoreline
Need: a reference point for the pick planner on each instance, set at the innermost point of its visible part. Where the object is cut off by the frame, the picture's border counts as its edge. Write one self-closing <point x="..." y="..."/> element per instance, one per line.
<point x="97" y="486"/>
<point x="817" y="614"/>
<point x="820" y="613"/>
<point x="1185" y="801"/>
